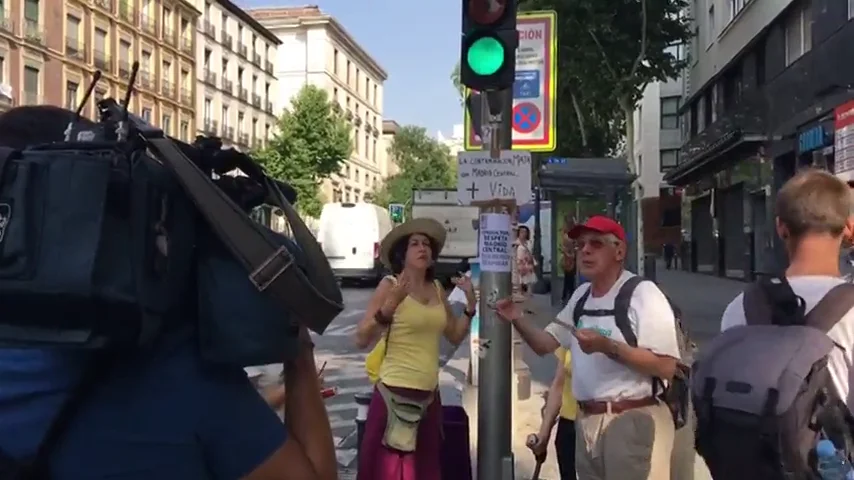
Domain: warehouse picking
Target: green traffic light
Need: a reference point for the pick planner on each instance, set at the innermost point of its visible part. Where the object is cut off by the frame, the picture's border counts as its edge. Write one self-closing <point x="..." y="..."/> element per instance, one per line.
<point x="485" y="56"/>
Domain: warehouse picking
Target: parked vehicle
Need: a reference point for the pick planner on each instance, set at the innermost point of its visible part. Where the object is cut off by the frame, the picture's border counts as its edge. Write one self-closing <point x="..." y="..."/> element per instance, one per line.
<point x="350" y="234"/>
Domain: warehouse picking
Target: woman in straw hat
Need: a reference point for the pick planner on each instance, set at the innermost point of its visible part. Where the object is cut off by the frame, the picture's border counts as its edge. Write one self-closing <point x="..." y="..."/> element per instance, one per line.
<point x="410" y="308"/>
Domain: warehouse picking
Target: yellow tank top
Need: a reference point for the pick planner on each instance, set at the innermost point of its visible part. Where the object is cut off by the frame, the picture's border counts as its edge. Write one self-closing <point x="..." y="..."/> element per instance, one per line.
<point x="568" y="407"/>
<point x="412" y="354"/>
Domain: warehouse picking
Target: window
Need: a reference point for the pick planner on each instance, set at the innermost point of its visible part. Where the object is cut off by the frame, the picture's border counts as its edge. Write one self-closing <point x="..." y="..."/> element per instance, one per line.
<point x="71" y="89"/>
<point x="367" y="180"/>
<point x="736" y="6"/>
<point x="669" y="159"/>
<point x="100" y="41"/>
<point x="2" y="69"/>
<point x="240" y="119"/>
<point x="374" y="152"/>
<point x="145" y="64"/>
<point x="207" y="110"/>
<point x="367" y="88"/>
<point x="798" y="33"/>
<point x="72" y="28"/>
<point x="367" y="145"/>
<point x="266" y="131"/>
<point x="850" y="9"/>
<point x="224" y="117"/>
<point x="335" y="61"/>
<point x="375" y="95"/>
<point x="335" y="94"/>
<point x="31" y="13"/>
<point x="640" y="163"/>
<point x="669" y="112"/>
<point x="358" y="78"/>
<point x="224" y="69"/>
<point x="356" y="147"/>
<point x="356" y="177"/>
<point x="677" y="51"/>
<point x="124" y="52"/>
<point x="348" y="72"/>
<point x="712" y="27"/>
<point x="146" y="114"/>
<point x="166" y="124"/>
<point x="185" y="130"/>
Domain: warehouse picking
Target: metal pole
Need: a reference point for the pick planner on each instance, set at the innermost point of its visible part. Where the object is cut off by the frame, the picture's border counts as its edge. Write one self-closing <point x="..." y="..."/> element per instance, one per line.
<point x="494" y="402"/>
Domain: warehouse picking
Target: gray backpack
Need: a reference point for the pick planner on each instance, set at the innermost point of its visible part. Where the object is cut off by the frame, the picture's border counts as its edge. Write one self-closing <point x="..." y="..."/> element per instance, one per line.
<point x="762" y="392"/>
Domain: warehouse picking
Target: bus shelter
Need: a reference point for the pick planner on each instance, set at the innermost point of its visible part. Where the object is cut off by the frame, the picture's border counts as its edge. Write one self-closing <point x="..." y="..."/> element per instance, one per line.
<point x="606" y="186"/>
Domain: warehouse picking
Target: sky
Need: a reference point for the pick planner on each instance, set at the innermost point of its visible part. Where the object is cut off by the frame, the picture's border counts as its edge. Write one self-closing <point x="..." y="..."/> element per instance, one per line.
<point x="417" y="42"/>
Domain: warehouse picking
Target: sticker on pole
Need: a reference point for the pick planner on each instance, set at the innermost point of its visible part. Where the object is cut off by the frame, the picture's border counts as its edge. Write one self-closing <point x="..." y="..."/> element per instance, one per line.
<point x="482" y="178"/>
<point x="535" y="86"/>
<point x="495" y="246"/>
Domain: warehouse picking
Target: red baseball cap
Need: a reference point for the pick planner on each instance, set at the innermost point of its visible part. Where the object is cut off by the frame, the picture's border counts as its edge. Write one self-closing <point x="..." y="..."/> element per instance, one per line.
<point x="599" y="224"/>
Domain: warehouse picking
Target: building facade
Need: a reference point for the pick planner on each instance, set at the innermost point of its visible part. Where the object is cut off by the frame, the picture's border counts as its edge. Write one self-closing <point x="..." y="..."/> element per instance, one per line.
<point x="235" y="75"/>
<point x="316" y="50"/>
<point x="657" y="142"/>
<point x="389" y="166"/>
<point x="51" y="58"/>
<point x="767" y="93"/>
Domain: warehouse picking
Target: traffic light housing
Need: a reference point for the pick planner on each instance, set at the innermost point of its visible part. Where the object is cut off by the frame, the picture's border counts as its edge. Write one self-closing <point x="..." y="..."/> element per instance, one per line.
<point x="489" y="41"/>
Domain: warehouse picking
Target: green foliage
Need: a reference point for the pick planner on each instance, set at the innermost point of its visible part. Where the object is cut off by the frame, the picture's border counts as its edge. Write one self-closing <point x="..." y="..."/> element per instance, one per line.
<point x="423" y="163"/>
<point x="312" y="143"/>
<point x="458" y="85"/>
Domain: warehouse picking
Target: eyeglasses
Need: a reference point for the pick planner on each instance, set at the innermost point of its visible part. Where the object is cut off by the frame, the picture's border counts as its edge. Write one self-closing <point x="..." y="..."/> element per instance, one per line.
<point x="595" y="243"/>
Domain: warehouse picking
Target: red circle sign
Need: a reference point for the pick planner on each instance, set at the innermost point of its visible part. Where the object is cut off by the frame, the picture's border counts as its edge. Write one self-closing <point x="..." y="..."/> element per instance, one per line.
<point x="526" y="117"/>
<point x="486" y="12"/>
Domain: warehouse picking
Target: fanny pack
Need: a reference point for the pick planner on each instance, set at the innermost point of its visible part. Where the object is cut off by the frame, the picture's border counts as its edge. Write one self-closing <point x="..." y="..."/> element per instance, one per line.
<point x="404" y="417"/>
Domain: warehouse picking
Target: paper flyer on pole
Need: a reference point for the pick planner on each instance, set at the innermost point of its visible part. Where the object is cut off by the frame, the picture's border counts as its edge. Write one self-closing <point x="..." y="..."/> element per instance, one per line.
<point x="495" y="246"/>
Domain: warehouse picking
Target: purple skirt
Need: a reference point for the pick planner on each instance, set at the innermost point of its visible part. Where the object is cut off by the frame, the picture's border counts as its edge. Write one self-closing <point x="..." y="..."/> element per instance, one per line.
<point x="376" y="462"/>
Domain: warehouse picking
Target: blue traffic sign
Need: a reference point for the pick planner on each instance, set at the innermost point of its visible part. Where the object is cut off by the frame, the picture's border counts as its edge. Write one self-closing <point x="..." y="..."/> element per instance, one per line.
<point x="527" y="84"/>
<point x="526" y="117"/>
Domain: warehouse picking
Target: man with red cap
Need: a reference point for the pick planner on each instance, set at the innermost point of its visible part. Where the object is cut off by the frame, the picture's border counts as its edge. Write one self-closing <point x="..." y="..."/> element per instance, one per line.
<point x="622" y="334"/>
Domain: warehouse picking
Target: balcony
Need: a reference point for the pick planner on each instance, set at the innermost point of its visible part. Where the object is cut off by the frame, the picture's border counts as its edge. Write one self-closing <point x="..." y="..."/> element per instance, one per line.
<point x="227" y="41"/>
<point x="127" y="12"/>
<point x="124" y="69"/>
<point x="211" y="127"/>
<point x="187" y="96"/>
<point x="167" y="89"/>
<point x="75" y="48"/>
<point x="209" y="29"/>
<point x="210" y="78"/>
<point x="243" y="139"/>
<point x="147" y="24"/>
<point x="269" y="108"/>
<point x="169" y="35"/>
<point x="33" y="32"/>
<point x="102" y="61"/>
<point x="242" y="50"/>
<point x="31" y="98"/>
<point x="228" y="132"/>
<point x="145" y="79"/>
<point x="187" y="44"/>
<point x="268" y="67"/>
<point x="243" y="94"/>
<point x="256" y="59"/>
<point x="228" y="85"/>
<point x="106" y="5"/>
<point x="256" y="100"/>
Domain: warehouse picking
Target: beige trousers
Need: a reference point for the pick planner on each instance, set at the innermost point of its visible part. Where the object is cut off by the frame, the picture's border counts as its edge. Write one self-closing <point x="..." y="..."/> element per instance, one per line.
<point x="633" y="445"/>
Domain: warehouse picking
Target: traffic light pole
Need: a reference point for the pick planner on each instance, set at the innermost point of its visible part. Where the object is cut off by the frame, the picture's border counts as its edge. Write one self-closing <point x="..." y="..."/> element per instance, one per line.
<point x="494" y="400"/>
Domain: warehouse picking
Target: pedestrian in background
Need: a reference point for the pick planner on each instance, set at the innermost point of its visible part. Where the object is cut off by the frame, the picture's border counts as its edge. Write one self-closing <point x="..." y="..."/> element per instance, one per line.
<point x="411" y="310"/>
<point x="560" y="408"/>
<point x="524" y="274"/>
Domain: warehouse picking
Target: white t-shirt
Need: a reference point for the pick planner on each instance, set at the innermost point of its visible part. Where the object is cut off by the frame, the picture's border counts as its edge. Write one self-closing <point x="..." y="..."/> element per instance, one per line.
<point x="812" y="289"/>
<point x="597" y="377"/>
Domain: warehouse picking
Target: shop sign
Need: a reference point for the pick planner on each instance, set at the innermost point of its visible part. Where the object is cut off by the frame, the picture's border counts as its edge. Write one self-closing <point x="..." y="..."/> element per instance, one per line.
<point x="813" y="139"/>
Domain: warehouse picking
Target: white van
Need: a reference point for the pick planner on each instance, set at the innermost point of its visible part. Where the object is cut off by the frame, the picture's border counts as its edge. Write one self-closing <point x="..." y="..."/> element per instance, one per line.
<point x="350" y="234"/>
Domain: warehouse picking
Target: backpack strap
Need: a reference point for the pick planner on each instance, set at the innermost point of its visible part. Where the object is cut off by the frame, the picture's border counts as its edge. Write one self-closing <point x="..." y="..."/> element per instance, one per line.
<point x="832" y="307"/>
<point x="578" y="310"/>
<point x="621" y="309"/>
<point x="6" y="154"/>
<point x="771" y="301"/>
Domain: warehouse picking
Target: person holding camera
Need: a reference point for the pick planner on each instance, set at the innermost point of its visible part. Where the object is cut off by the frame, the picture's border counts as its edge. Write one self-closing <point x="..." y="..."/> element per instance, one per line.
<point x="402" y="435"/>
<point x="159" y="412"/>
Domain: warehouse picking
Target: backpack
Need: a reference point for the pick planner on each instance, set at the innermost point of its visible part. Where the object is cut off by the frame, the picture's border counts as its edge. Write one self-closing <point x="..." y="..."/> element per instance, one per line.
<point x="763" y="393"/>
<point x="675" y="394"/>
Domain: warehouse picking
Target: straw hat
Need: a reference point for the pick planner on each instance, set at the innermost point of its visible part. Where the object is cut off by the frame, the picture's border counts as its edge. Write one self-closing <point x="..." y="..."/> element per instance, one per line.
<point x="425" y="226"/>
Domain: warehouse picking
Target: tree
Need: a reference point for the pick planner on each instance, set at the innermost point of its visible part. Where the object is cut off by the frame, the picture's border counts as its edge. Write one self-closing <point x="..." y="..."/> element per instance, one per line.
<point x="423" y="163"/>
<point x="312" y="143"/>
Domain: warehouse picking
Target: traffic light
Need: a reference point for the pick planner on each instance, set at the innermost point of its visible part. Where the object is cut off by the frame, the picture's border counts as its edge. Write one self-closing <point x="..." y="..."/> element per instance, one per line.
<point x="489" y="41"/>
<point x="395" y="211"/>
